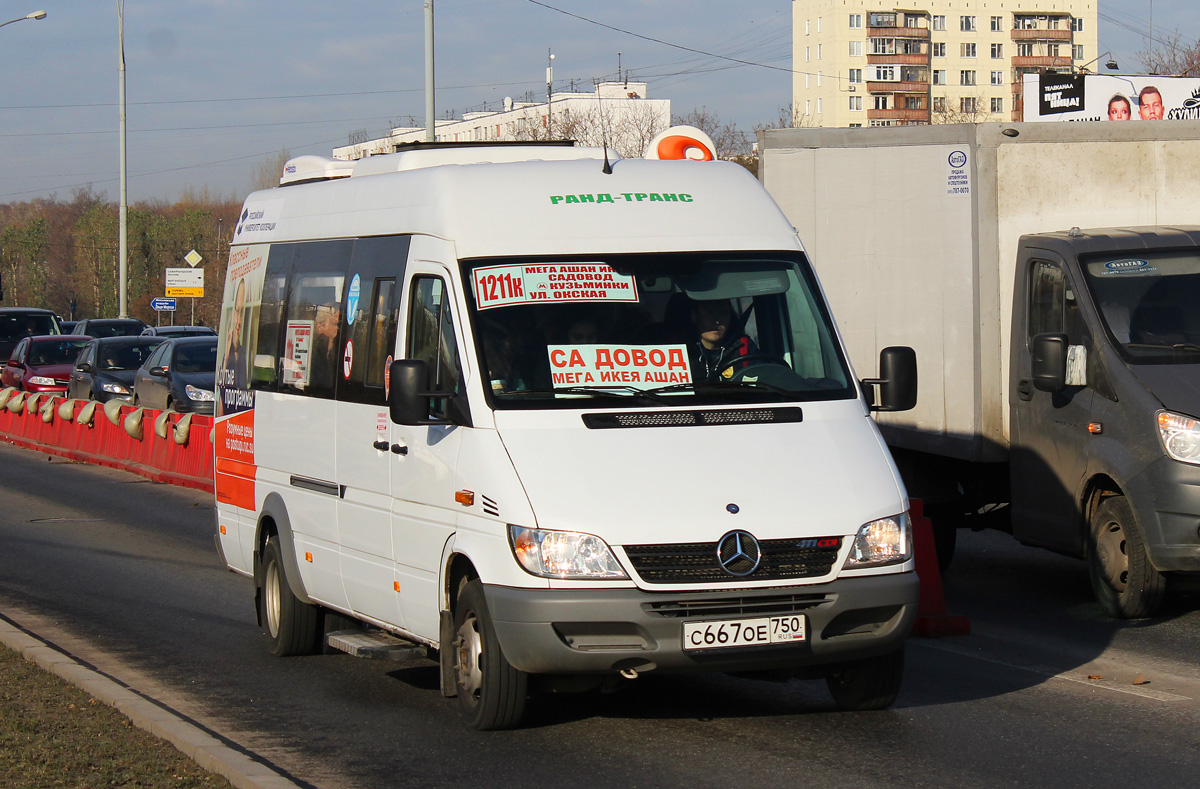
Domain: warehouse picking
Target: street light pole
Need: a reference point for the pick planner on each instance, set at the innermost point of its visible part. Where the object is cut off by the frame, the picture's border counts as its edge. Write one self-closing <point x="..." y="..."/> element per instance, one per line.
<point x="34" y="15"/>
<point x="430" y="134"/>
<point x="123" y="244"/>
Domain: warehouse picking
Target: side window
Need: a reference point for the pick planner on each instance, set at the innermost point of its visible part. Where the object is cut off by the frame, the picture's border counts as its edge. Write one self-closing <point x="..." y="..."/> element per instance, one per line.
<point x="377" y="265"/>
<point x="265" y="365"/>
<point x="159" y="357"/>
<point x="20" y="352"/>
<point x="312" y="357"/>
<point x="1054" y="308"/>
<point x="431" y="337"/>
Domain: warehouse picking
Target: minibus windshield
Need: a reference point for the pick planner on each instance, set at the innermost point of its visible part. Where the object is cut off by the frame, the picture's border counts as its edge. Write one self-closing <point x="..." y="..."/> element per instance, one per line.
<point x="1148" y="303"/>
<point x="653" y="329"/>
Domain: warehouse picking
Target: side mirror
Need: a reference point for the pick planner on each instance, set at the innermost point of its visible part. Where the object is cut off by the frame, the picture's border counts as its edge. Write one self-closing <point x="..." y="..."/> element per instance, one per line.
<point x="84" y="367"/>
<point x="897" y="380"/>
<point x="16" y="364"/>
<point x="409" y="396"/>
<point x="158" y="372"/>
<point x="1049" y="352"/>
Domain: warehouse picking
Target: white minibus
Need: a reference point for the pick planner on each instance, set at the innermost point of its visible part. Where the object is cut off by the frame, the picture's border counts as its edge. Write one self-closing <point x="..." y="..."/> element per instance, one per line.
<point x="557" y="422"/>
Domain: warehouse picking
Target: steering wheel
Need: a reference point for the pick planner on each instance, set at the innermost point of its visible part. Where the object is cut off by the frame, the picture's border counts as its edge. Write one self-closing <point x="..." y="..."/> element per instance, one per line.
<point x="744" y="364"/>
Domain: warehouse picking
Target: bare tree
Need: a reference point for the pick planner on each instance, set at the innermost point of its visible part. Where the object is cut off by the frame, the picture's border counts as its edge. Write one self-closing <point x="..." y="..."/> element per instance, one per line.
<point x="728" y="139"/>
<point x="1171" y="56"/>
<point x="626" y="132"/>
<point x="268" y="171"/>
<point x="964" y="109"/>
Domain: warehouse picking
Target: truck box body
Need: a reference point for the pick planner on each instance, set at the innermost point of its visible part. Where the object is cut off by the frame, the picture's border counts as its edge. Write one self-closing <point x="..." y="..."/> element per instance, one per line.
<point x="914" y="233"/>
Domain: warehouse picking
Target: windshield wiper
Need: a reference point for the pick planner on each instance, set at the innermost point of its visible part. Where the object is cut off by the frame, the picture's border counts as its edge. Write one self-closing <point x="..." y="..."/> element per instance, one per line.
<point x="724" y="387"/>
<point x="623" y="391"/>
<point x="1178" y="346"/>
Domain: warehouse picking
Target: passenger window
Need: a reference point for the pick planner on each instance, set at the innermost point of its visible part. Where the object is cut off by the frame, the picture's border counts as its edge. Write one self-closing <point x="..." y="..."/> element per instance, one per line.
<point x="1053" y="305"/>
<point x="158" y="358"/>
<point x="431" y="337"/>
<point x="312" y="355"/>
<point x="382" y="331"/>
<point x="265" y="366"/>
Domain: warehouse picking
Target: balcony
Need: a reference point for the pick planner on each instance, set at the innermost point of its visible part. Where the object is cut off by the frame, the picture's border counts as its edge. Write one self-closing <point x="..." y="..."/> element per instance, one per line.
<point x="898" y="32"/>
<point x="897" y="87"/>
<point x="898" y="115"/>
<point x="899" y="60"/>
<point x="1041" y="35"/>
<point x="1042" y="61"/>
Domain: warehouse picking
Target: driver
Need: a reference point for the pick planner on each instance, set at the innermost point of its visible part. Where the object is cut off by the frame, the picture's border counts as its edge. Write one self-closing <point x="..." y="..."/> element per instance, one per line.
<point x="713" y="350"/>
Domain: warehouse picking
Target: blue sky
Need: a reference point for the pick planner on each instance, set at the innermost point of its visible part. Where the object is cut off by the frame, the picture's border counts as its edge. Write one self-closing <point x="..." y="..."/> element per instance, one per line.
<point x="215" y="87"/>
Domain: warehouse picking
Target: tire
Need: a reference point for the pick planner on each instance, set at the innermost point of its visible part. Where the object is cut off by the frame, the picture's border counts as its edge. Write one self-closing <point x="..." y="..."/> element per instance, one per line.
<point x="293" y="627"/>
<point x="1125" y="583"/>
<point x="868" y="684"/>
<point x="491" y="693"/>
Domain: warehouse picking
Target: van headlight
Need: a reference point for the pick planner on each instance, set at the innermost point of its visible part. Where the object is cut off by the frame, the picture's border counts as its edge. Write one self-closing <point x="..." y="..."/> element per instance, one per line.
<point x="1180" y="436"/>
<point x="881" y="542"/>
<point x="563" y="554"/>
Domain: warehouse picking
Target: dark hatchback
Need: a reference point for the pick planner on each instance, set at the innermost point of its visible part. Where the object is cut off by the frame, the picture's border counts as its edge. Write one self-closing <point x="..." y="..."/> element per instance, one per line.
<point x="181" y="374"/>
<point x="106" y="366"/>
<point x="17" y="323"/>
<point x="110" y="327"/>
<point x="42" y="364"/>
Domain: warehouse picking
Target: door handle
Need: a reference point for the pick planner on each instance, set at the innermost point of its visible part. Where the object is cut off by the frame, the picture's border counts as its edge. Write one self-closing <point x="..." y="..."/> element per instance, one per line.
<point x="380" y="445"/>
<point x="398" y="449"/>
<point x="1025" y="389"/>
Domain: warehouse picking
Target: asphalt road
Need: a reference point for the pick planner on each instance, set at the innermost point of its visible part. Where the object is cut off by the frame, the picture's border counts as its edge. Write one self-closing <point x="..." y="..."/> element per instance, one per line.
<point x="122" y="572"/>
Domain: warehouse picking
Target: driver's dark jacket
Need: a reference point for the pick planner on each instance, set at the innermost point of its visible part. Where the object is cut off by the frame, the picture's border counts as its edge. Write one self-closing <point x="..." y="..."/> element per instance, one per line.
<point x="706" y="364"/>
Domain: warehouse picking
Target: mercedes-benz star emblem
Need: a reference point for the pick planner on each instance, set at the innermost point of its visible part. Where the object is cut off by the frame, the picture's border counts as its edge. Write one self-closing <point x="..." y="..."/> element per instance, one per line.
<point x="738" y="553"/>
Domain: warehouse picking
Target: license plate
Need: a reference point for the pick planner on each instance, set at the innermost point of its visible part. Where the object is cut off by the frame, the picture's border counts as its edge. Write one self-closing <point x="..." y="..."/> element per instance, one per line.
<point x="744" y="632"/>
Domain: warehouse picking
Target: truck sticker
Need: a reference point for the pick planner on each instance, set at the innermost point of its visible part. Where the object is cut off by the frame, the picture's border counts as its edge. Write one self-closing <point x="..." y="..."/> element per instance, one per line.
<point x="958" y="180"/>
<point x="503" y="286"/>
<point x="637" y="366"/>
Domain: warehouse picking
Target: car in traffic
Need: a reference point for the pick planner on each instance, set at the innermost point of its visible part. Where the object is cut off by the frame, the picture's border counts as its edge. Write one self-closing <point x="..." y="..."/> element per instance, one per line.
<point x="179" y="331"/>
<point x="42" y="363"/>
<point x="105" y="367"/>
<point x="110" y="327"/>
<point x="19" y="322"/>
<point x="68" y="327"/>
<point x="181" y="374"/>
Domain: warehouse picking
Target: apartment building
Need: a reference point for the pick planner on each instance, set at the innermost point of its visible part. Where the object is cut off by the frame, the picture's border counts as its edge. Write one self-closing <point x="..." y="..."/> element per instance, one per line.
<point x="873" y="63"/>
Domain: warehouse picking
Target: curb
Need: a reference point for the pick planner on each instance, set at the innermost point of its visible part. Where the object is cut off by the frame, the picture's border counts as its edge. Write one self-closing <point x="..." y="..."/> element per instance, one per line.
<point x="193" y="741"/>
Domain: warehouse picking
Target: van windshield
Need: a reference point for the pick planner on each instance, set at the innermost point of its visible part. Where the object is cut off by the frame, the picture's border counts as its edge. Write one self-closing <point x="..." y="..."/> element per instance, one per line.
<point x="665" y="329"/>
<point x="1148" y="303"/>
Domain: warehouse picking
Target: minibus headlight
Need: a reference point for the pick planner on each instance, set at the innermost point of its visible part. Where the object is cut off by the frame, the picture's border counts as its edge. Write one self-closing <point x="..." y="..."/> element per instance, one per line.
<point x="1180" y="436"/>
<point x="880" y="542"/>
<point x="563" y="554"/>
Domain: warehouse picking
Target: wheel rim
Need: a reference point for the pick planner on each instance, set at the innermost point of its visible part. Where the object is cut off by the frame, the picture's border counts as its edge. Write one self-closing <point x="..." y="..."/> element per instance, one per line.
<point x="1111" y="557"/>
<point x="271" y="595"/>
<point x="468" y="648"/>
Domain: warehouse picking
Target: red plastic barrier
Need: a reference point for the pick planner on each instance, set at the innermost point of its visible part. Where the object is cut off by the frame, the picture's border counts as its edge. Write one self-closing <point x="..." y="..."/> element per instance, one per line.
<point x="932" y="619"/>
<point x="105" y="444"/>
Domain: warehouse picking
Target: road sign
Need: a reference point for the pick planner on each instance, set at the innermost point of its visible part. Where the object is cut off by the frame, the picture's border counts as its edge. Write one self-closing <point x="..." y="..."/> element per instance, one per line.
<point x="192" y="258"/>
<point x="187" y="282"/>
<point x="163" y="305"/>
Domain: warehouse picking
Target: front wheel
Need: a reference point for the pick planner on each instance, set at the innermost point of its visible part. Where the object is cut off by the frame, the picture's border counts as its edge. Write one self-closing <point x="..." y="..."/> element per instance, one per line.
<point x="868" y="684"/>
<point x="491" y="693"/>
<point x="292" y="626"/>
<point x="1125" y="583"/>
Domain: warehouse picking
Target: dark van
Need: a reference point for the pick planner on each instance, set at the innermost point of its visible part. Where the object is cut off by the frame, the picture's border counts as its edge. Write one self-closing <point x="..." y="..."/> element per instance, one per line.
<point x="17" y="323"/>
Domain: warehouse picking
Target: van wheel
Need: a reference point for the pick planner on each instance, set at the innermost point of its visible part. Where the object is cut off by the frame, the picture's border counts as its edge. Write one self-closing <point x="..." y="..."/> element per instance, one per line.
<point x="868" y="684"/>
<point x="1125" y="583"/>
<point x="292" y="626"/>
<point x="491" y="693"/>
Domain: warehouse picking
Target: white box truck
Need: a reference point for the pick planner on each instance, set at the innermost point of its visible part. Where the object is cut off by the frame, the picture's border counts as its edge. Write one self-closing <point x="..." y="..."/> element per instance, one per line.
<point x="1049" y="282"/>
<point x="556" y="420"/>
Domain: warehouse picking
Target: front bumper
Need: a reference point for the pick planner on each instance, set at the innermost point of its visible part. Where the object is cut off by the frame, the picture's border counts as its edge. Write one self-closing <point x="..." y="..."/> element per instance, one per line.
<point x="597" y="631"/>
<point x="1166" y="502"/>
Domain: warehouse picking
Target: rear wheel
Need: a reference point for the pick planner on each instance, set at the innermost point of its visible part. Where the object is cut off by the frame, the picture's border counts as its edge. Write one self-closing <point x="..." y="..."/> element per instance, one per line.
<point x="868" y="684"/>
<point x="1125" y="583"/>
<point x="292" y="626"/>
<point x="491" y="693"/>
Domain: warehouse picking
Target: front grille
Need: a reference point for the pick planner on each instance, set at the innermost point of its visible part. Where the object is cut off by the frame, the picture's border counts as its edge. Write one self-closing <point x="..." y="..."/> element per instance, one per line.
<point x="728" y="416"/>
<point x="696" y="562"/>
<point x="773" y="605"/>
